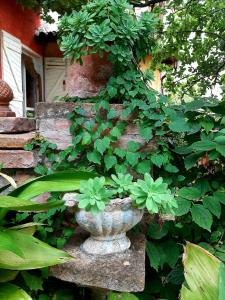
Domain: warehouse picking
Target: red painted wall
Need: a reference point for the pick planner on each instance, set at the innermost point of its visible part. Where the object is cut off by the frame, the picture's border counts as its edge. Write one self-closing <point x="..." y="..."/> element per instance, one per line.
<point x="20" y="22"/>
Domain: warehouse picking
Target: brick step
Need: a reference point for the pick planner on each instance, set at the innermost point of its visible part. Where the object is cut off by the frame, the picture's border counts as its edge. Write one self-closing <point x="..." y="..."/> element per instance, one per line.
<point x="16" y="125"/>
<point x="15" y="141"/>
<point x="19" y="159"/>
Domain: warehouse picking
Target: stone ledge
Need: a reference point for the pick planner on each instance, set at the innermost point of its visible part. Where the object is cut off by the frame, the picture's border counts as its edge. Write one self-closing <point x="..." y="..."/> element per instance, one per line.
<point x="16" y="125"/>
<point x="123" y="272"/>
<point x="15" y="141"/>
<point x="18" y="159"/>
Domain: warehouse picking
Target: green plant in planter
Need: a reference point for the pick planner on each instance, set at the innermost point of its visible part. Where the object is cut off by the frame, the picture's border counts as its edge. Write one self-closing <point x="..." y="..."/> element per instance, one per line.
<point x="93" y="195"/>
<point x="153" y="195"/>
<point x="107" y="26"/>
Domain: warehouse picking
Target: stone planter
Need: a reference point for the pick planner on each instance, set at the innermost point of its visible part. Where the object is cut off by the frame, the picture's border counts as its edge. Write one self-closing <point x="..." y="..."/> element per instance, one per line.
<point x="108" y="228"/>
<point x="86" y="80"/>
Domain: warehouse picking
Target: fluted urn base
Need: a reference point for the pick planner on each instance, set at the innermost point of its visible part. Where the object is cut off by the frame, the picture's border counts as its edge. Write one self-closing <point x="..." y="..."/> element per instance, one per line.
<point x="106" y="245"/>
<point x="108" y="228"/>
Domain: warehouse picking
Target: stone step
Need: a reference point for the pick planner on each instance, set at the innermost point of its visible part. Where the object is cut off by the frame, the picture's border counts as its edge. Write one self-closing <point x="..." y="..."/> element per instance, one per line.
<point x="16" y="125"/>
<point x="19" y="159"/>
<point x="15" y="141"/>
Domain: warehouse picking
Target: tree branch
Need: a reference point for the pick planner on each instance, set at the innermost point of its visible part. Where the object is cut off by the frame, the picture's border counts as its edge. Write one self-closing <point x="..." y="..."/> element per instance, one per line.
<point x="147" y="3"/>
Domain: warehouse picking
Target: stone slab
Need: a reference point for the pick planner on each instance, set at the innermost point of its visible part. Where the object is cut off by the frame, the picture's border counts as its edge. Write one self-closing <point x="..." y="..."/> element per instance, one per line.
<point x="56" y="131"/>
<point x="16" y="125"/>
<point x="18" y="159"/>
<point x="15" y="141"/>
<point x="122" y="272"/>
<point x="45" y="110"/>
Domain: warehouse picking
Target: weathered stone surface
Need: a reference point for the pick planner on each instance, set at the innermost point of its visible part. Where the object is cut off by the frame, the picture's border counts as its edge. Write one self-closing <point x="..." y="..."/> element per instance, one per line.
<point x="15" y="141"/>
<point x="11" y="125"/>
<point x="123" y="272"/>
<point x="57" y="131"/>
<point x="18" y="159"/>
<point x="45" y="110"/>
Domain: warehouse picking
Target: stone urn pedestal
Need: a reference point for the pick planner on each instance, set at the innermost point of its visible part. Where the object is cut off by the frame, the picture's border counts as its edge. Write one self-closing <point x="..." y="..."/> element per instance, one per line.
<point x="108" y="228"/>
<point x="6" y="95"/>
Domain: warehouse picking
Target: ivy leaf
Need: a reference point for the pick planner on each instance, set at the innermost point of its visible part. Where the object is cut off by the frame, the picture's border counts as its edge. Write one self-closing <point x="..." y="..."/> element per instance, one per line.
<point x="190" y="193"/>
<point x="110" y="161"/>
<point x="213" y="205"/>
<point x="115" y="132"/>
<point x="133" y="146"/>
<point x="111" y="114"/>
<point x="201" y="216"/>
<point x="171" y="168"/>
<point x="203" y="146"/>
<point x="120" y="152"/>
<point x="159" y="159"/>
<point x="132" y="158"/>
<point x="112" y="91"/>
<point x="144" y="166"/>
<point x="94" y="157"/>
<point x="146" y="133"/>
<point x="86" y="139"/>
<point x="153" y="255"/>
<point x="101" y="145"/>
<point x="183" y="207"/>
<point x="207" y="125"/>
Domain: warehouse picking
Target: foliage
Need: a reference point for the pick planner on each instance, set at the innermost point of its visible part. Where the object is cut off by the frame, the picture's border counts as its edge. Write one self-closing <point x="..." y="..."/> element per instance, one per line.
<point x="93" y="195"/>
<point x="204" y="275"/>
<point x="154" y="195"/>
<point x="193" y="34"/>
<point x="121" y="296"/>
<point x="107" y="26"/>
<point x="188" y="143"/>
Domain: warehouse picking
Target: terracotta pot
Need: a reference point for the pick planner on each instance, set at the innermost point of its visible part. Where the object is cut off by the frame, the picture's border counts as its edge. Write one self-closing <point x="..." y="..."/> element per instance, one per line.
<point x="86" y="81"/>
<point x="6" y="95"/>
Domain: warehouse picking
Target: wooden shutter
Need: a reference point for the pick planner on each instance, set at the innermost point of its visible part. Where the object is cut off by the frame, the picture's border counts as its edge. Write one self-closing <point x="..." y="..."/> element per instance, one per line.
<point x="11" y="69"/>
<point x="55" y="78"/>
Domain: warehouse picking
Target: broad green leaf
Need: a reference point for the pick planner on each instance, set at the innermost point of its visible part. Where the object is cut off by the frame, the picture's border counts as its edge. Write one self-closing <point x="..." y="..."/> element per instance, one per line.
<point x="7" y="275"/>
<point x="221" y="149"/>
<point x="120" y="152"/>
<point x="203" y="145"/>
<point x="213" y="205"/>
<point x="190" y="193"/>
<point x="34" y="282"/>
<point x="183" y="207"/>
<point x="170" y="168"/>
<point x="220" y="196"/>
<point x="14" y="203"/>
<point x="220" y="139"/>
<point x="121" y="296"/>
<point x="202" y="275"/>
<point x="10" y="291"/>
<point x="159" y="159"/>
<point x="179" y="125"/>
<point x="35" y="254"/>
<point x="191" y="160"/>
<point x="57" y="182"/>
<point x="201" y="216"/>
